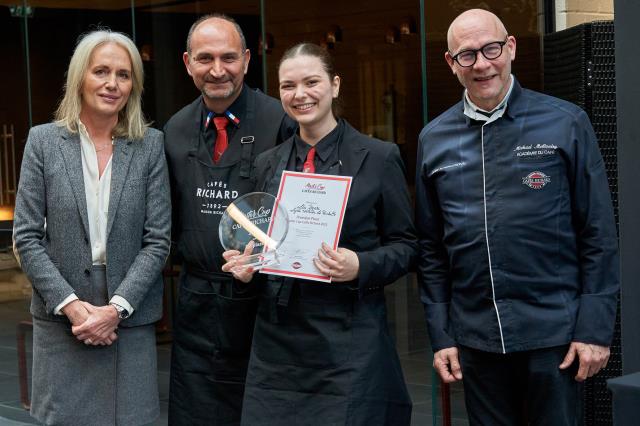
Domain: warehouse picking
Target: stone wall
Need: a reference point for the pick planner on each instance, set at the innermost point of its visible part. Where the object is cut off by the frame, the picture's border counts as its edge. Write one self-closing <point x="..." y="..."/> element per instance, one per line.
<point x="570" y="13"/>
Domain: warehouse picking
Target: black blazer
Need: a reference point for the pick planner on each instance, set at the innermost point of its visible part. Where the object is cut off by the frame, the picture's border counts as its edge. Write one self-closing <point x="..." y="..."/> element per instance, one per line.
<point x="378" y="224"/>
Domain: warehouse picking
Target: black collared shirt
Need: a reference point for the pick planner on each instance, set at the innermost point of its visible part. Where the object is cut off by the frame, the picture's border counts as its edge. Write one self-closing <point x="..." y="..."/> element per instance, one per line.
<point x="326" y="157"/>
<point x="237" y="108"/>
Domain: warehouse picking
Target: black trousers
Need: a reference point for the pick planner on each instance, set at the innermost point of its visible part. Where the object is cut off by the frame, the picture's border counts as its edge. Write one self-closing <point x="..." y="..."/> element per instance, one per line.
<point x="520" y="388"/>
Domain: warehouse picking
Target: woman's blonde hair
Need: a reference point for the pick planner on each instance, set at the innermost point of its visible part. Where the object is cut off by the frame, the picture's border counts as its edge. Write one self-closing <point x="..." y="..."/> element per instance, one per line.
<point x="131" y="121"/>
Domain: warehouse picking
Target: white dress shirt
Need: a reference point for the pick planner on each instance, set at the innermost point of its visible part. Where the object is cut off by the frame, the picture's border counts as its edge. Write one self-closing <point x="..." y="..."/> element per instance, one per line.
<point x="97" y="190"/>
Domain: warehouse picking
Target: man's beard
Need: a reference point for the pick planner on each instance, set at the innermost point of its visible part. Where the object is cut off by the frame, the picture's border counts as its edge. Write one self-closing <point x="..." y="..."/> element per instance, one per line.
<point x="217" y="95"/>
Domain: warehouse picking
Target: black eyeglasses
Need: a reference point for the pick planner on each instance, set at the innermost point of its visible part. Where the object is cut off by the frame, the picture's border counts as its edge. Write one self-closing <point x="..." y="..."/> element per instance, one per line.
<point x="467" y="58"/>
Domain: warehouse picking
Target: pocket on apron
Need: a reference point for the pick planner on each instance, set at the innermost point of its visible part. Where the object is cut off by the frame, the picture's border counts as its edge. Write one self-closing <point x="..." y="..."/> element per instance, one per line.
<point x="195" y="315"/>
<point x="235" y="318"/>
<point x="238" y="315"/>
<point x="314" y="334"/>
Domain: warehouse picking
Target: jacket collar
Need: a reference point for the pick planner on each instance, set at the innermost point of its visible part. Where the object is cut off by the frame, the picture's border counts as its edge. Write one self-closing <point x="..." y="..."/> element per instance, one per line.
<point x="476" y="113"/>
<point x="515" y="107"/>
<point x="69" y="145"/>
<point x="120" y="162"/>
<point x="352" y="151"/>
<point x="512" y="110"/>
<point x="351" y="154"/>
<point x="243" y="108"/>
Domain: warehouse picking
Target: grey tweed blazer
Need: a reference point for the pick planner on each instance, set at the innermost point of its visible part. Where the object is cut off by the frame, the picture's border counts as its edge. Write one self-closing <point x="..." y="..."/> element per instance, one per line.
<point x="51" y="234"/>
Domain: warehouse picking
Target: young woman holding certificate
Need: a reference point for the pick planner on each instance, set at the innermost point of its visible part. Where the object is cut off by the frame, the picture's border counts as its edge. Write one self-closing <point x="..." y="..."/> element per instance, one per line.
<point x="321" y="352"/>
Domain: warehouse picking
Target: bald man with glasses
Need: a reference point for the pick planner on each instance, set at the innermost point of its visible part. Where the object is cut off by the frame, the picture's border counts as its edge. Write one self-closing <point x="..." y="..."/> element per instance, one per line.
<point x="518" y="250"/>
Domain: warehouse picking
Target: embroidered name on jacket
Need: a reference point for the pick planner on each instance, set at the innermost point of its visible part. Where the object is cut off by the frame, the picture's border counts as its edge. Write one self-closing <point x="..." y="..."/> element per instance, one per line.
<point x="536" y="151"/>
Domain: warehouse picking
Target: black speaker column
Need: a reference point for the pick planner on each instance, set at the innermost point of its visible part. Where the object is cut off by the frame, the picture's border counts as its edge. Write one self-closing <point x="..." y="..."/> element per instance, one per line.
<point x="579" y="66"/>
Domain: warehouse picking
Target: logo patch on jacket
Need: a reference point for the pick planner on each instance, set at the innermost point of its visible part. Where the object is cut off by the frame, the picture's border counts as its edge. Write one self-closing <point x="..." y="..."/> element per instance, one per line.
<point x="536" y="180"/>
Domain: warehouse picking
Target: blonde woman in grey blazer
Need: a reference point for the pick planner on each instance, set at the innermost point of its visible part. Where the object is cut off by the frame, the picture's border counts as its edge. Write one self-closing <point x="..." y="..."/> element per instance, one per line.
<point x="91" y="231"/>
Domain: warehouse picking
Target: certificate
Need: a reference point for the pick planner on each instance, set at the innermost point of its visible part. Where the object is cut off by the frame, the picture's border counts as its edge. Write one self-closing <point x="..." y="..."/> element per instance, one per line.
<point x="316" y="205"/>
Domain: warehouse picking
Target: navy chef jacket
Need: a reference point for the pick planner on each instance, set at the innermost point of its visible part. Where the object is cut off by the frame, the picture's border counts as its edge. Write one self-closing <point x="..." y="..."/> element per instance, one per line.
<point x="518" y="246"/>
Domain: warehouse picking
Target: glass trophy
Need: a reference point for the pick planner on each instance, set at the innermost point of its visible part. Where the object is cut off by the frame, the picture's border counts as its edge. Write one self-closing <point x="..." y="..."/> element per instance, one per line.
<point x="254" y="218"/>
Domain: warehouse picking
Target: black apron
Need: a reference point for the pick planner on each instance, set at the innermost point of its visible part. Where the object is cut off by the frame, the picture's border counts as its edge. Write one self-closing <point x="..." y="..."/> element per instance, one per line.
<point x="215" y="314"/>
<point x="321" y="355"/>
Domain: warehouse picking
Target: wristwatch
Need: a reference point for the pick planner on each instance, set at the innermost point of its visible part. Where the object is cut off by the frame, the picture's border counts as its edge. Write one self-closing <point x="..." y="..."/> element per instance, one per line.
<point x="122" y="312"/>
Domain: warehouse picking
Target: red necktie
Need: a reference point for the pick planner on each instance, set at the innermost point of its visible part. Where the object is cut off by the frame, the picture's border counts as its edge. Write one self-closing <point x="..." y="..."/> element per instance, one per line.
<point x="308" y="166"/>
<point x="221" y="138"/>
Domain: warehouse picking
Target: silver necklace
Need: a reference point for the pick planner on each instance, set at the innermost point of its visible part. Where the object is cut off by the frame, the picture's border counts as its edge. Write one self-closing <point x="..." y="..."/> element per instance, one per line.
<point x="102" y="147"/>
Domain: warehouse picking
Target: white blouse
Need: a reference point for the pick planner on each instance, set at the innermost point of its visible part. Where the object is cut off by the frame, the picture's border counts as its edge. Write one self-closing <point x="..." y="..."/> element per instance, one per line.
<point x="96" y="189"/>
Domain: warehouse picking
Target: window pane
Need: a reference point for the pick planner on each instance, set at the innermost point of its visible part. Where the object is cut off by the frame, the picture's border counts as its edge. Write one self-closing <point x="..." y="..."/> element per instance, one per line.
<point x="521" y="20"/>
<point x="53" y="33"/>
<point x="161" y="34"/>
<point x="14" y="109"/>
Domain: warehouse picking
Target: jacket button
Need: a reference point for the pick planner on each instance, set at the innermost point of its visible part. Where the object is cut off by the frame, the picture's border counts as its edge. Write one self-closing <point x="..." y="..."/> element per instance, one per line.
<point x="87" y="272"/>
<point x="86" y="240"/>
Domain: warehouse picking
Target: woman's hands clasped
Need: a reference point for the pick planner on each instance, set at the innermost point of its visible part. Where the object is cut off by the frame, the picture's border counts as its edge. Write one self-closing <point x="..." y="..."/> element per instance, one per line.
<point x="93" y="325"/>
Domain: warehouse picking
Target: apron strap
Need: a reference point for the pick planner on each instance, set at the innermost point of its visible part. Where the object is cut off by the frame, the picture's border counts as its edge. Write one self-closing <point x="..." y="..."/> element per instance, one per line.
<point x="278" y="292"/>
<point x="247" y="141"/>
<point x="285" y="291"/>
<point x="206" y="275"/>
<point x="245" y="159"/>
<point x="222" y="283"/>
